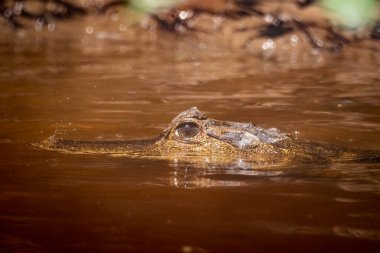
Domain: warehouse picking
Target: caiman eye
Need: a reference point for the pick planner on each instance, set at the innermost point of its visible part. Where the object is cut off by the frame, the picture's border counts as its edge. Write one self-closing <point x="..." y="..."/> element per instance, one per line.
<point x="187" y="130"/>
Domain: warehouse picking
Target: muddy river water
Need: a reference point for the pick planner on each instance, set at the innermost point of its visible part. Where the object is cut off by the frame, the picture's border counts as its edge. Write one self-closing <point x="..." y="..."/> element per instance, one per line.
<point x="104" y="87"/>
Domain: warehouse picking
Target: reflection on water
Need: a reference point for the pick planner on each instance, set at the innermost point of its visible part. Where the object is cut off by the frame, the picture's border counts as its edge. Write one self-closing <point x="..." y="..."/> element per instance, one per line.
<point x="190" y="177"/>
<point x="90" y="88"/>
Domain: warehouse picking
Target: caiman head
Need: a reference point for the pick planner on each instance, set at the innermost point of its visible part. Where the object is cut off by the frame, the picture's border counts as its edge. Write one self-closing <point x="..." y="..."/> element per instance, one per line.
<point x="193" y="134"/>
<point x="193" y="137"/>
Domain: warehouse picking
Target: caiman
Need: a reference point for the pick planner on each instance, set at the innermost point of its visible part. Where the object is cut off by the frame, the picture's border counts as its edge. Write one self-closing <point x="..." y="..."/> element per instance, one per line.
<point x="192" y="136"/>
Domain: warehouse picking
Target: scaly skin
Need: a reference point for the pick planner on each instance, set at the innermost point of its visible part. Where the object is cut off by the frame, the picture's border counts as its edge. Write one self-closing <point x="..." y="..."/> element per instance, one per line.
<point x="193" y="137"/>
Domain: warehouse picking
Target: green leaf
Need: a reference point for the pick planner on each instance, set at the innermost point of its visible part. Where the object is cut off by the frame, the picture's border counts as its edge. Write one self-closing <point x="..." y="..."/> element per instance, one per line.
<point x="151" y="5"/>
<point x="352" y="13"/>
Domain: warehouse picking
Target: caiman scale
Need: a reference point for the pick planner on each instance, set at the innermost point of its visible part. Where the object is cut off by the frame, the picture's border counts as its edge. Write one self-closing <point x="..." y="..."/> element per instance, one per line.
<point x="192" y="136"/>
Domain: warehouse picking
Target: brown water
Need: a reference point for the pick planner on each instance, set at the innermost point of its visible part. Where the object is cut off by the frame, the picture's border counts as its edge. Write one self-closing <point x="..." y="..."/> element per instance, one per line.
<point x="107" y="88"/>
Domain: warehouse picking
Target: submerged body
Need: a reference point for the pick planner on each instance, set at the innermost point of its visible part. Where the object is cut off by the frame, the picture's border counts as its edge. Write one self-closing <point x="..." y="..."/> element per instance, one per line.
<point x="192" y="136"/>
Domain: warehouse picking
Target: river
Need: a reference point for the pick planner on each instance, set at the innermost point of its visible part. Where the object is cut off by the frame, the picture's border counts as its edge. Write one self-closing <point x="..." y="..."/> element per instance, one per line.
<point x="103" y="86"/>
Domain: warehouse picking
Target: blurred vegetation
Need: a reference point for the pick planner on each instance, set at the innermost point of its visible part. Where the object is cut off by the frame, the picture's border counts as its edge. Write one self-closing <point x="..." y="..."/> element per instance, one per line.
<point x="349" y="13"/>
<point x="14" y="11"/>
<point x="353" y="13"/>
<point x="150" y="5"/>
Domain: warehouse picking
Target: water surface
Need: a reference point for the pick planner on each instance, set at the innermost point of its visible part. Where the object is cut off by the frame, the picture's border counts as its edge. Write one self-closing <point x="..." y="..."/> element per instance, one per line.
<point x="94" y="88"/>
